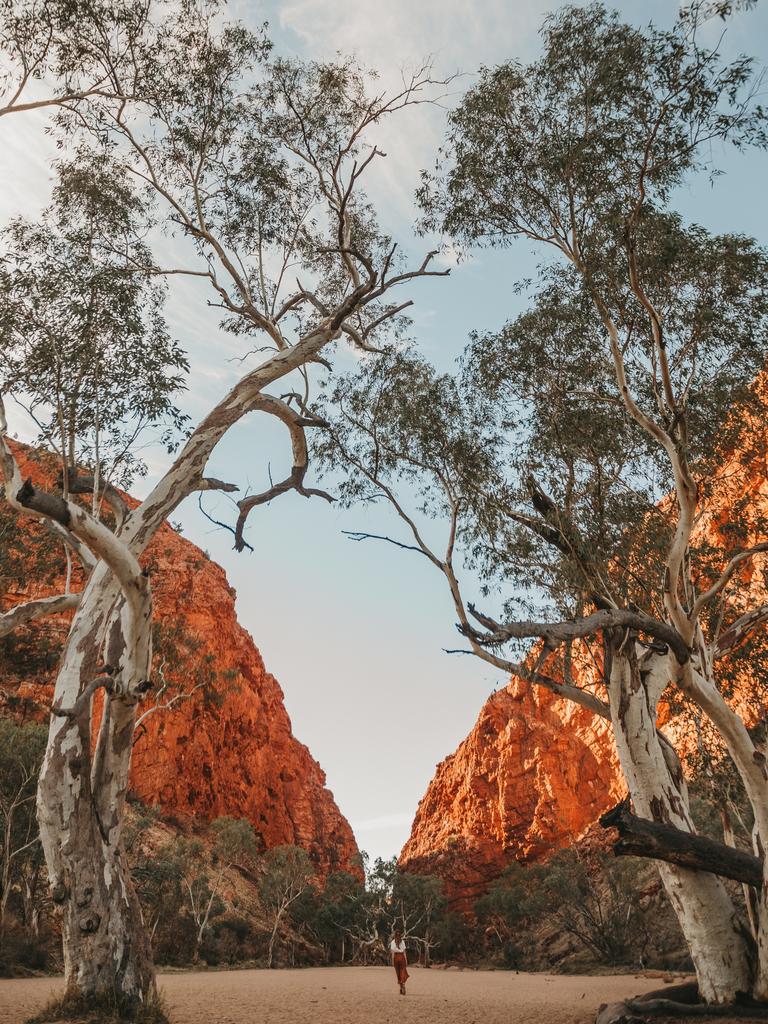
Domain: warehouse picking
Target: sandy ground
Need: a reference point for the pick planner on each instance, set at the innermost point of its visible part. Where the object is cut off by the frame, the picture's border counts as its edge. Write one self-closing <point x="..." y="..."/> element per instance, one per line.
<point x="362" y="995"/>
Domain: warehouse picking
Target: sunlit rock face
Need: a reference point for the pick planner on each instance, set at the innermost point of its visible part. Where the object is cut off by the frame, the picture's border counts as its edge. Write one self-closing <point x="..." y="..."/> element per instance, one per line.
<point x="536" y="772"/>
<point x="229" y="748"/>
<point x="532" y="776"/>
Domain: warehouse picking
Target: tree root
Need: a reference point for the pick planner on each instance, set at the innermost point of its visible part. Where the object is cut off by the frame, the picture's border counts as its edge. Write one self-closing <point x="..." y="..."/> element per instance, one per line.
<point x="679" y="1001"/>
<point x="669" y="1008"/>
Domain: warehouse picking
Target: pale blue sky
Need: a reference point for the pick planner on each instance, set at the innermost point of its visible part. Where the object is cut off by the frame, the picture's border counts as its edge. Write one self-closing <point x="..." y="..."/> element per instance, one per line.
<point x="355" y="632"/>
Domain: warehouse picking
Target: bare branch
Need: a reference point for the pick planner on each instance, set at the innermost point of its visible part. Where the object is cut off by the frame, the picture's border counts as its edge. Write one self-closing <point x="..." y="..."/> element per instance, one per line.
<point x="740" y="629"/>
<point x="726" y="575"/>
<point x="83" y="483"/>
<point x="209" y="483"/>
<point x="557" y="633"/>
<point x="295" y="480"/>
<point x="356" y="535"/>
<point x="168" y="705"/>
<point x="217" y="522"/>
<point x="29" y="611"/>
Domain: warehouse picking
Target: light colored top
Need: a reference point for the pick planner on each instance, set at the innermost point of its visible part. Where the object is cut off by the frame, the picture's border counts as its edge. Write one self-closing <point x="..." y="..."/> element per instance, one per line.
<point x="397" y="947"/>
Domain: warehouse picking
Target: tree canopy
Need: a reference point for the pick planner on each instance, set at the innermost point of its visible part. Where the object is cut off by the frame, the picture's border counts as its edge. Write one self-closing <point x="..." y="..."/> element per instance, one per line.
<point x="85" y="347"/>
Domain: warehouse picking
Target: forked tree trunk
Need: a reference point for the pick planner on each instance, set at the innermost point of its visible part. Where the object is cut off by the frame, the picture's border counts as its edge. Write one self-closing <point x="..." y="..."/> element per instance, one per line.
<point x="81" y="798"/>
<point x="656" y="785"/>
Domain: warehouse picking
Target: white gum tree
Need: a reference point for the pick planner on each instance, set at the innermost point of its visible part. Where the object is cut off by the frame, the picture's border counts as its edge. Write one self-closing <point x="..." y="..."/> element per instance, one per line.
<point x="258" y="163"/>
<point x="573" y="459"/>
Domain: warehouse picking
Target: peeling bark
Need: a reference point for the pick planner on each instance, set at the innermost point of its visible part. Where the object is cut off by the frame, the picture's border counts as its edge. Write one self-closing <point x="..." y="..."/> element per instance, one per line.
<point x="706" y="913"/>
<point x="698" y="681"/>
<point x="36" y="609"/>
<point x="81" y="798"/>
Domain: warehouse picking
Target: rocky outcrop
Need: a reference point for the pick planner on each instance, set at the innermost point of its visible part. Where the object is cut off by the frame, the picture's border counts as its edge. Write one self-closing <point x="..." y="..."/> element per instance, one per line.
<point x="532" y="776"/>
<point x="229" y="749"/>
<point x="226" y="746"/>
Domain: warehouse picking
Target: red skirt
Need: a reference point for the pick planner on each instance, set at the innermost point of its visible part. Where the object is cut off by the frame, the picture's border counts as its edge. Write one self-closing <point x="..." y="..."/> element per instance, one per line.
<point x="401" y="969"/>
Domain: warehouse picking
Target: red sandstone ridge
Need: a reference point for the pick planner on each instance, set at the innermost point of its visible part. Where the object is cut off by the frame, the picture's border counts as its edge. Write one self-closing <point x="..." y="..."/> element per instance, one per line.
<point x="229" y="750"/>
<point x="532" y="776"/>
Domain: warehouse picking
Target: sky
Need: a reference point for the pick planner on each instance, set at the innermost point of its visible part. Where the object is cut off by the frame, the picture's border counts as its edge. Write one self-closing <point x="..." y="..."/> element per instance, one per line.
<point x="355" y="632"/>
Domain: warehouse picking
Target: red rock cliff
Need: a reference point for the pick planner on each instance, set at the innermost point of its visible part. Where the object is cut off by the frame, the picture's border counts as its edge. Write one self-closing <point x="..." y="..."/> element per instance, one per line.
<point x="532" y="776"/>
<point x="229" y="749"/>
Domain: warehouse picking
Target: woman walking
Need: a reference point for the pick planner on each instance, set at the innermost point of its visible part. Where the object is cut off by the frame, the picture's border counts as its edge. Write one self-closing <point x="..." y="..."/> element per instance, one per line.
<point x="399" y="959"/>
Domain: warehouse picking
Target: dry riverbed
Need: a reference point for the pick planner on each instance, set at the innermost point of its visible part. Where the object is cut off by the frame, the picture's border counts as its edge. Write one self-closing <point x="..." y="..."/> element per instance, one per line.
<point x="362" y="995"/>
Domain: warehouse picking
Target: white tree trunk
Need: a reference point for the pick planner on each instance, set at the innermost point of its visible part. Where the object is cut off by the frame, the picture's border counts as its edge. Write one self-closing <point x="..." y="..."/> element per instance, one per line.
<point x="750" y="763"/>
<point x="705" y="911"/>
<point x="751" y="903"/>
<point x="81" y="797"/>
<point x="273" y="936"/>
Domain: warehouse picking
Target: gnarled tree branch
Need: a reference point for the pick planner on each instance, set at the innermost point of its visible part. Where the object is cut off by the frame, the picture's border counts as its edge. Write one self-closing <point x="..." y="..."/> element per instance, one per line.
<point x="740" y="629"/>
<point x="725" y="576"/>
<point x="295" y="480"/>
<point x="556" y="633"/>
<point x="639" y="837"/>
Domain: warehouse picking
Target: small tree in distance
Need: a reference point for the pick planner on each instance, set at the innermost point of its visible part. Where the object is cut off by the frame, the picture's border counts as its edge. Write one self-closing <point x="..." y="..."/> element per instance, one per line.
<point x="418" y="906"/>
<point x="21" y="751"/>
<point x="287" y="873"/>
<point x="234" y="844"/>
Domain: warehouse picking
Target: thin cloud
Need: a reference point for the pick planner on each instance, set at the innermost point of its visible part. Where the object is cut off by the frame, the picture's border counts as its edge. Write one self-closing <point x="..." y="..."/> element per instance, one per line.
<point x="451" y="255"/>
<point x="392" y="38"/>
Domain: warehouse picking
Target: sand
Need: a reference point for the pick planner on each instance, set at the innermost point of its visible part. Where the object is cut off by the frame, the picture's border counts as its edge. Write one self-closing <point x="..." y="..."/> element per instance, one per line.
<point x="362" y="995"/>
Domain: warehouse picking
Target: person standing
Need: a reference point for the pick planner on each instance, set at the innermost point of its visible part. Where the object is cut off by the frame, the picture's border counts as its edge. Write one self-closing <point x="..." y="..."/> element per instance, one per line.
<point x="399" y="959"/>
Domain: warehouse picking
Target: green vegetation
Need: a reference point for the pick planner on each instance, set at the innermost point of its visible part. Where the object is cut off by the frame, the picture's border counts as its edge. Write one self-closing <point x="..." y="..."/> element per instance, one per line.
<point x="23" y="897"/>
<point x="570" y="464"/>
<point x="570" y="470"/>
<point x="109" y="1008"/>
<point x="84" y="344"/>
<point x="580" y="909"/>
<point x="216" y="897"/>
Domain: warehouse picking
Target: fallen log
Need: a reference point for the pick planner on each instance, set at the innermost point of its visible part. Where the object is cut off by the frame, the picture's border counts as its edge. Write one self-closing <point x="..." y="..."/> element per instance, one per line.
<point x="617" y="1013"/>
<point x="639" y="837"/>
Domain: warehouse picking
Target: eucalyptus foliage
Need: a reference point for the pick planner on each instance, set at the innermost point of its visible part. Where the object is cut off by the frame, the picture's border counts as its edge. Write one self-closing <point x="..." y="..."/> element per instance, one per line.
<point x="558" y="490"/>
<point x="84" y="346"/>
